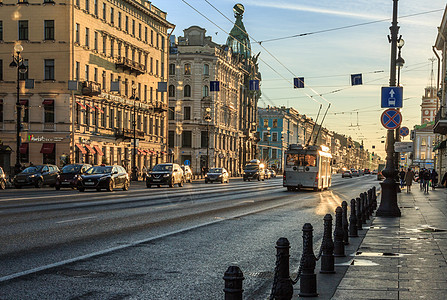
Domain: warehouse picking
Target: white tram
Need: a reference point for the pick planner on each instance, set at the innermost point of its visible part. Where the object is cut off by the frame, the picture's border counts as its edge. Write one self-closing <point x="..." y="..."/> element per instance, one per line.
<point x="307" y="167"/>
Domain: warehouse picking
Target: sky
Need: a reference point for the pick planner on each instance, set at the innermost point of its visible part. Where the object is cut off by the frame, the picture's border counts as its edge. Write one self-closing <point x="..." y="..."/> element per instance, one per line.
<point x="328" y="56"/>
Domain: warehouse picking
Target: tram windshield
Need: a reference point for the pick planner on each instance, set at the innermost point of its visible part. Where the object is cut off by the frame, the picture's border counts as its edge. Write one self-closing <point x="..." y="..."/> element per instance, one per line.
<point x="302" y="160"/>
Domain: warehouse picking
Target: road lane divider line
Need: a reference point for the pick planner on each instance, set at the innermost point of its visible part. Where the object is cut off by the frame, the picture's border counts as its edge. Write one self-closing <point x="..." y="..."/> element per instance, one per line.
<point x="74" y="220"/>
<point x="139" y="242"/>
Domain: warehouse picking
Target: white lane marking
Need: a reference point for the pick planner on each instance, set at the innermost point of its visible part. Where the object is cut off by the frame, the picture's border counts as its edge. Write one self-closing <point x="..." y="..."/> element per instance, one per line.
<point x="74" y="220"/>
<point x="124" y="246"/>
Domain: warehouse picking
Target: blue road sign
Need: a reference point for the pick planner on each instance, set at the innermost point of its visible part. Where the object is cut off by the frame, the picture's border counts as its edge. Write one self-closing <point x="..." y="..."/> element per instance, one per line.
<point x="254" y="85"/>
<point x="404" y="131"/>
<point x="391" y="118"/>
<point x="214" y="86"/>
<point x="298" y="83"/>
<point x="356" y="79"/>
<point x="392" y="97"/>
<point x="187" y="162"/>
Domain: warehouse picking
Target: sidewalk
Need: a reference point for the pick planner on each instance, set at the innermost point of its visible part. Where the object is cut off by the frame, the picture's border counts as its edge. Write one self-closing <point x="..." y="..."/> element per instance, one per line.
<point x="402" y="258"/>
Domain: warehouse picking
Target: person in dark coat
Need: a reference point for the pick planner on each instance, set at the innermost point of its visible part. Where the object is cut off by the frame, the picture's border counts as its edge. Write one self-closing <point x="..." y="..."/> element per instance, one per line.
<point x="433" y="179"/>
<point x="409" y="177"/>
<point x="402" y="178"/>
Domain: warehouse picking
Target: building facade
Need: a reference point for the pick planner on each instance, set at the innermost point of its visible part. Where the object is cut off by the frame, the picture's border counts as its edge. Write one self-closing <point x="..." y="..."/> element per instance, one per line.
<point x="212" y="111"/>
<point x="93" y="71"/>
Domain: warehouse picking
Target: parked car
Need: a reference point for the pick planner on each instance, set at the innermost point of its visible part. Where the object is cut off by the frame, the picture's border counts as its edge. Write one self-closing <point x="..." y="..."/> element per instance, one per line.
<point x="355" y="172"/>
<point x="38" y="176"/>
<point x="217" y="174"/>
<point x="187" y="173"/>
<point x="366" y="171"/>
<point x="272" y="173"/>
<point x="68" y="176"/>
<point x="165" y="174"/>
<point x="346" y="173"/>
<point x="104" y="177"/>
<point x="268" y="175"/>
<point x="2" y="179"/>
<point x="254" y="169"/>
<point x="374" y="172"/>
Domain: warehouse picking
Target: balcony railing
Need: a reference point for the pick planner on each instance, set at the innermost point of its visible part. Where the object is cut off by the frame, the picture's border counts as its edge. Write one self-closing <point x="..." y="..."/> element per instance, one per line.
<point x="130" y="65"/>
<point x="160" y="107"/>
<point x="440" y="121"/>
<point x="128" y="134"/>
<point x="90" y="88"/>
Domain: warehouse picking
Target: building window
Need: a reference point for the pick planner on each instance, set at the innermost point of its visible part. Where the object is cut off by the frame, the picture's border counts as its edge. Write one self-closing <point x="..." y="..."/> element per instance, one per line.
<point x="95" y="45"/>
<point x="112" y="17"/>
<point x="1" y="30"/>
<point x="77" y="29"/>
<point x="87" y="75"/>
<point x="171" y="113"/>
<point x="274" y="136"/>
<point x="156" y="67"/>
<point x="145" y="93"/>
<point x="49" y="69"/>
<point x="126" y="24"/>
<point x="104" y="78"/>
<point x="205" y="91"/>
<point x="171" y="139"/>
<point x="95" y="75"/>
<point x="112" y="46"/>
<point x="275" y="123"/>
<point x="96" y="7"/>
<point x="186" y="139"/>
<point x="152" y="66"/>
<point x="25" y="105"/>
<point x="139" y="30"/>
<point x="23" y="30"/>
<point x="422" y="155"/>
<point x="49" y="30"/>
<point x="119" y="20"/>
<point x="152" y="37"/>
<point x="1" y="69"/>
<point x="87" y="37"/>
<point x="1" y="110"/>
<point x="104" y="11"/>
<point x="187" y="113"/>
<point x="87" y="5"/>
<point x="133" y="27"/>
<point x="48" y="111"/>
<point x="145" y="34"/>
<point x="171" y="91"/>
<point x="162" y="43"/>
<point x="104" y="44"/>
<point x="158" y="37"/>
<point x="187" y="91"/>
<point x="187" y="69"/>
<point x="266" y="123"/>
<point x="206" y="70"/>
<point x="171" y="69"/>
<point x="203" y="139"/>
<point x="424" y="142"/>
<point x="77" y="67"/>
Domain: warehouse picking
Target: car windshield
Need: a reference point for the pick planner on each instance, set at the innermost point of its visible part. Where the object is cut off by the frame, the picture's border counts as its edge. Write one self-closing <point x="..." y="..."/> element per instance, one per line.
<point x="71" y="169"/>
<point x="215" y="170"/>
<point x="32" y="169"/>
<point x="99" y="170"/>
<point x="159" y="168"/>
<point x="251" y="167"/>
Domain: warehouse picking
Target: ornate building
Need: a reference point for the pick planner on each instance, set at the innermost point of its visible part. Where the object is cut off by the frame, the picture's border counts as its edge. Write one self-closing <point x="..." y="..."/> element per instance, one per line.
<point x="93" y="68"/>
<point x="212" y="112"/>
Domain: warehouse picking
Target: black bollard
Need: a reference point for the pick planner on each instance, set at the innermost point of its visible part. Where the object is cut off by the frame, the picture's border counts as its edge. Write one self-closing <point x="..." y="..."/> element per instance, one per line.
<point x="308" y="278"/>
<point x="283" y="287"/>
<point x="374" y="198"/>
<point x="362" y="211"/>
<point x="345" y="225"/>
<point x="365" y="200"/>
<point x="353" y="221"/>
<point x="327" y="256"/>
<point x="339" y="246"/>
<point x="233" y="283"/>
<point x="359" y="213"/>
<point x="370" y="196"/>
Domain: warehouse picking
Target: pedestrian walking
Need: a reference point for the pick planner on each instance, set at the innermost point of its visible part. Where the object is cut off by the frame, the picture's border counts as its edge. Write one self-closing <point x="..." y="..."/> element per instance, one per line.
<point x="409" y="177"/>
<point x="421" y="179"/>
<point x="444" y="180"/>
<point x="433" y="179"/>
<point x="426" y="180"/>
<point x="402" y="178"/>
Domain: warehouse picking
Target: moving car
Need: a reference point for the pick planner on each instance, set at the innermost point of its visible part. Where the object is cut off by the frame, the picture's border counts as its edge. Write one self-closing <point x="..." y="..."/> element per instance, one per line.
<point x="38" y="176"/>
<point x="165" y="174"/>
<point x="68" y="176"/>
<point x="217" y="174"/>
<point x="2" y="179"/>
<point x="272" y="173"/>
<point x="104" y="177"/>
<point x="254" y="170"/>
<point x="366" y="171"/>
<point x="346" y="173"/>
<point x="187" y="173"/>
<point x="355" y="172"/>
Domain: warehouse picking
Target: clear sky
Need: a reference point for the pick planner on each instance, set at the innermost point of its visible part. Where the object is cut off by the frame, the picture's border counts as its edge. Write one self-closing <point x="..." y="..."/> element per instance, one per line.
<point x="327" y="57"/>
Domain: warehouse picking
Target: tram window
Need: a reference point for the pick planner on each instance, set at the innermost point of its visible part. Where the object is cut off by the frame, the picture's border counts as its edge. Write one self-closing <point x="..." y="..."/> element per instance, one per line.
<point x="311" y="160"/>
<point x="301" y="160"/>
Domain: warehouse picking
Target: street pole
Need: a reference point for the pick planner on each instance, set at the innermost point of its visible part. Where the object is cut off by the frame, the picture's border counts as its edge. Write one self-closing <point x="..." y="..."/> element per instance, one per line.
<point x="388" y="204"/>
<point x="134" y="124"/>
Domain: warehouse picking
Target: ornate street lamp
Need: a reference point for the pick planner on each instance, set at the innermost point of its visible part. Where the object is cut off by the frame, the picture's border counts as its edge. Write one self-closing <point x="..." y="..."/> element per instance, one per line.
<point x="17" y="62"/>
<point x="269" y="134"/>
<point x="208" y="120"/>
<point x="134" y="126"/>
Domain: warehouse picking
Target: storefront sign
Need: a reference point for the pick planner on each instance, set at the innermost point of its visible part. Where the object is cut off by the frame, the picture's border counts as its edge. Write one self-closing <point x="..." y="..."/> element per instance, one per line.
<point x="40" y="139"/>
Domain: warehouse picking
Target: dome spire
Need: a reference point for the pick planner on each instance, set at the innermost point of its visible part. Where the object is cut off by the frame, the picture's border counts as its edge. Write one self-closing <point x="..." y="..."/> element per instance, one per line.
<point x="238" y="39"/>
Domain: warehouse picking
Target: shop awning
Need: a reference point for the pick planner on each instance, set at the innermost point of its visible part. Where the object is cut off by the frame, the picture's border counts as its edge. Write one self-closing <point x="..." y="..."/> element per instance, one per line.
<point x="441" y="145"/>
<point x="90" y="149"/>
<point x="98" y="149"/>
<point x="81" y="148"/>
<point x="23" y="102"/>
<point x="48" y="102"/>
<point x="147" y="151"/>
<point x="141" y="152"/>
<point x="91" y="107"/>
<point x="47" y="148"/>
<point x="99" y="109"/>
<point x="80" y="104"/>
<point x="24" y="148"/>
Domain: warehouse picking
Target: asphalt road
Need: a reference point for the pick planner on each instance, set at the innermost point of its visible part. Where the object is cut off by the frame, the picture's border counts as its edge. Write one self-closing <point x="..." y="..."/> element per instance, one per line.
<point x="158" y="243"/>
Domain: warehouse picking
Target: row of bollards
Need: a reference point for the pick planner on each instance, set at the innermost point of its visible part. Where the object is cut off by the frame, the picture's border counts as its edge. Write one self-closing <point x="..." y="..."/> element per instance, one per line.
<point x="361" y="209"/>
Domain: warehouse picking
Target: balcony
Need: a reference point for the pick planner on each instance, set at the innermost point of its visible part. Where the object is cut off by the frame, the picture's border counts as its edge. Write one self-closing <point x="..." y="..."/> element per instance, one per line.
<point x="160" y="107"/>
<point x="90" y="88"/>
<point x="440" y="121"/>
<point x="128" y="134"/>
<point x="129" y="65"/>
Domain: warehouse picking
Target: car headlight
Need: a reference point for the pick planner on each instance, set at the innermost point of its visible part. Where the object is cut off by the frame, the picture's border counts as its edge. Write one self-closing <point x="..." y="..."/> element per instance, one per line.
<point x="206" y="175"/>
<point x="220" y="175"/>
<point x="32" y="176"/>
<point x="166" y="175"/>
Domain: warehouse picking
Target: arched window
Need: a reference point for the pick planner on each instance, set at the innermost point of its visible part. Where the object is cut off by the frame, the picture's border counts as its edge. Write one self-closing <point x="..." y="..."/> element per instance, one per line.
<point x="187" y="69"/>
<point x="206" y="69"/>
<point x="206" y="91"/>
<point x="171" y="91"/>
<point x="171" y="69"/>
<point x="187" y="91"/>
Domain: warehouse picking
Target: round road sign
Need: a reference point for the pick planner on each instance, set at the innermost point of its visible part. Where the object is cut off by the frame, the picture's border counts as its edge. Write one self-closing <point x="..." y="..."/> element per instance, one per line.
<point x="404" y="131"/>
<point x="391" y="118"/>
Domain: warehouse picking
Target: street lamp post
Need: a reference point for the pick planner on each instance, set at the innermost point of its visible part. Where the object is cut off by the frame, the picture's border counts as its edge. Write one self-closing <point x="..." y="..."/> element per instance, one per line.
<point x="208" y="120"/>
<point x="134" y="127"/>
<point x="17" y="62"/>
<point x="399" y="63"/>
<point x="269" y="134"/>
<point x="388" y="204"/>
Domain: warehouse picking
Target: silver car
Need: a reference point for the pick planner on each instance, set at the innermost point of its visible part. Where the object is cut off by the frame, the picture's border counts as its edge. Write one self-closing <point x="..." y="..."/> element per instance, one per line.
<point x="217" y="175"/>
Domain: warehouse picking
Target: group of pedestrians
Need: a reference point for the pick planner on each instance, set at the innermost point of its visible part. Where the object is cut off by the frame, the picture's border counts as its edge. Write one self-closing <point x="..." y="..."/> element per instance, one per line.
<point x="426" y="178"/>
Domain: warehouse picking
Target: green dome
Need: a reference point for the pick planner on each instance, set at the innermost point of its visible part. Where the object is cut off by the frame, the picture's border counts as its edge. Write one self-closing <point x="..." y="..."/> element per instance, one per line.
<point x="238" y="39"/>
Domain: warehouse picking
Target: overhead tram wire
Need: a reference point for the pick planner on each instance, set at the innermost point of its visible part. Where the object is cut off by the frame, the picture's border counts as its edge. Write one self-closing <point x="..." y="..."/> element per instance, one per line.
<point x="273" y="69"/>
<point x="346" y="27"/>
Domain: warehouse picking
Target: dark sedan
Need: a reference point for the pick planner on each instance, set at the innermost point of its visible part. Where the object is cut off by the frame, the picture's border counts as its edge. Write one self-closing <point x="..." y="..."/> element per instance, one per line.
<point x="37" y="176"/>
<point x="68" y="176"/>
<point x="104" y="177"/>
